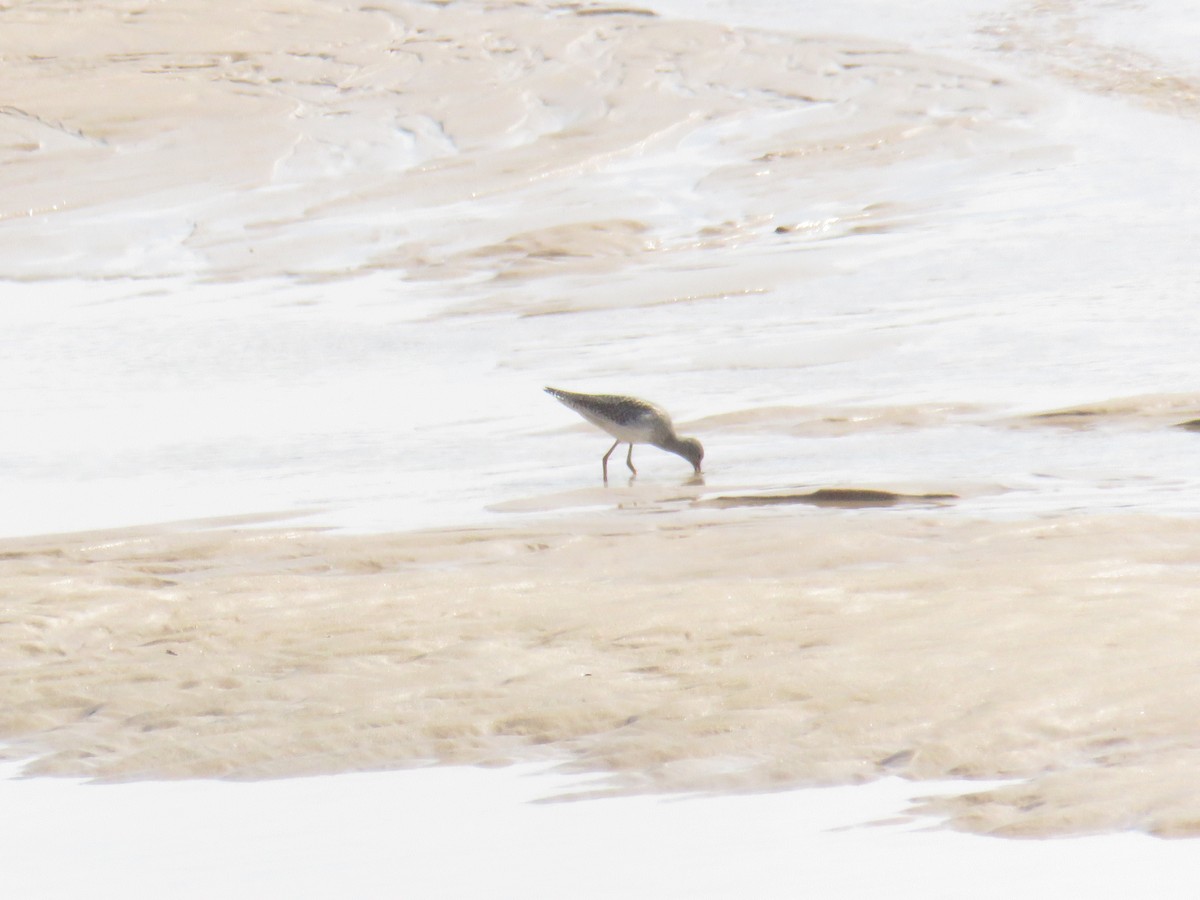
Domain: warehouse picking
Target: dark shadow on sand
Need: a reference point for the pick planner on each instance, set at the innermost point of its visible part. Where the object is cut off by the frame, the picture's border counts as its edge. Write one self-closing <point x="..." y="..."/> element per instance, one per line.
<point x="843" y="498"/>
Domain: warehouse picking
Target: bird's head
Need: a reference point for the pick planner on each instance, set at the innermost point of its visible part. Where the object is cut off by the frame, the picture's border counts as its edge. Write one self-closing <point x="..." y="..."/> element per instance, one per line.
<point x="691" y="450"/>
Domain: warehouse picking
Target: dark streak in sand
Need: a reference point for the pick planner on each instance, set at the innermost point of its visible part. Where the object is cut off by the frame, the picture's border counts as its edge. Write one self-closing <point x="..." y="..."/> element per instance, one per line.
<point x="848" y="498"/>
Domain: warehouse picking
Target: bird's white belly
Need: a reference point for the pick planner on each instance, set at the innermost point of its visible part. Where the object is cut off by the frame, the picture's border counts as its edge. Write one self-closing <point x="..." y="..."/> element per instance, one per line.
<point x="637" y="432"/>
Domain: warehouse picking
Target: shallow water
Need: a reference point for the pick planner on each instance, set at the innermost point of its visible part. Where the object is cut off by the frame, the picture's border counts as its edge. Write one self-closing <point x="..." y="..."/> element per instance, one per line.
<point x="340" y="312"/>
<point x="371" y="834"/>
<point x="286" y="261"/>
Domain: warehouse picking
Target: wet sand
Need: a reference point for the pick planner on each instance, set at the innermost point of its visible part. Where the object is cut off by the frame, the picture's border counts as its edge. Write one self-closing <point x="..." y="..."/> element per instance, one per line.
<point x="676" y="648"/>
<point x="285" y="256"/>
<point x="365" y="125"/>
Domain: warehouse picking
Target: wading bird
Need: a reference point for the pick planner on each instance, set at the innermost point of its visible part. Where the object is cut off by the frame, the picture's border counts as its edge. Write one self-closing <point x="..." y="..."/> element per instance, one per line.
<point x="631" y="421"/>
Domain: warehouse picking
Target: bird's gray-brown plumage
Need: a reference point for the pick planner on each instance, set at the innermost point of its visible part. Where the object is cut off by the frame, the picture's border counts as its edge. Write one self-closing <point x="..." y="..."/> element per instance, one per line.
<point x="631" y="421"/>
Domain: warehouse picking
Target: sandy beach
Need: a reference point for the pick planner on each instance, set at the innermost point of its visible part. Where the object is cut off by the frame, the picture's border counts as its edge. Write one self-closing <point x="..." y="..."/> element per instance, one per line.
<point x="671" y="648"/>
<point x="284" y="499"/>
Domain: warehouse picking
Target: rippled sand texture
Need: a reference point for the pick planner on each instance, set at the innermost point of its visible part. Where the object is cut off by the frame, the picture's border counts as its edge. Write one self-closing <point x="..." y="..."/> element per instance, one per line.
<point x="676" y="649"/>
<point x="1067" y="38"/>
<point x="389" y="128"/>
<point x="865" y="267"/>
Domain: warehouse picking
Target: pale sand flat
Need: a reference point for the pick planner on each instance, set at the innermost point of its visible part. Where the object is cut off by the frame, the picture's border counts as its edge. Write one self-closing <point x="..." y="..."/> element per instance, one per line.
<point x="729" y="650"/>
